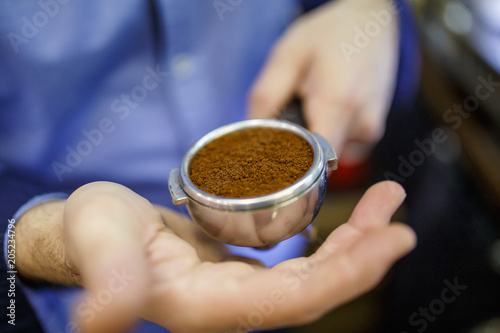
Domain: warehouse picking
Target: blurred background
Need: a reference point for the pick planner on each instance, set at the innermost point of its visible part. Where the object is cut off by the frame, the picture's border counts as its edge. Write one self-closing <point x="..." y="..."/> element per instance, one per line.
<point x="453" y="186"/>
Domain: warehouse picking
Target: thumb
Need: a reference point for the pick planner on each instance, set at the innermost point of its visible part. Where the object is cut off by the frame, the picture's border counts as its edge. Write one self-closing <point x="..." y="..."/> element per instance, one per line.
<point x="279" y="78"/>
<point x="111" y="258"/>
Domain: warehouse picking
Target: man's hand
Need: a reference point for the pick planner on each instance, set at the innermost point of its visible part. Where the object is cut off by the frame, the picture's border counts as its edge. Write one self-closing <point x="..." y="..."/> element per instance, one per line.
<point x="140" y="260"/>
<point x="346" y="96"/>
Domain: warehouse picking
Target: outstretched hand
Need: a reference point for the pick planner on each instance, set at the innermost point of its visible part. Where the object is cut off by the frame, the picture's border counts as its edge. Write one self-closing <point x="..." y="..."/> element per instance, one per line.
<point x="174" y="275"/>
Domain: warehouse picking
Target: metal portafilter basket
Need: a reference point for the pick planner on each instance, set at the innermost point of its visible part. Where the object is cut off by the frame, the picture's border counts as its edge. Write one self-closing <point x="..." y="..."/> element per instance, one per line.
<point x="258" y="221"/>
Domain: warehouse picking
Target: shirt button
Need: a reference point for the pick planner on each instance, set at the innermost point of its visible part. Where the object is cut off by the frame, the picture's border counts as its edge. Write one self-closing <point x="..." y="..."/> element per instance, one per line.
<point x="183" y="66"/>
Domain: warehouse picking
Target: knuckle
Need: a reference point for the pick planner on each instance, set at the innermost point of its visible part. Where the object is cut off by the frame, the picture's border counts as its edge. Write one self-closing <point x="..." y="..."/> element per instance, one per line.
<point x="349" y="275"/>
<point x="370" y="131"/>
<point x="311" y="306"/>
<point x="260" y="99"/>
<point x="363" y="278"/>
<point x="375" y="133"/>
<point x="323" y="100"/>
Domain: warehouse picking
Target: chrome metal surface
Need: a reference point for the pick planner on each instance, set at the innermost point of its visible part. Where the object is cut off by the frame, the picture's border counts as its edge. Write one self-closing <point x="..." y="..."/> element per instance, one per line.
<point x="258" y="221"/>
<point x="179" y="197"/>
<point x="330" y="155"/>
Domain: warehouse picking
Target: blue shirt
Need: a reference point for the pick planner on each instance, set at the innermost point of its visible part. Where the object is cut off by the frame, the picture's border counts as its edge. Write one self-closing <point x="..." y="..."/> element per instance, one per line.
<point x="118" y="90"/>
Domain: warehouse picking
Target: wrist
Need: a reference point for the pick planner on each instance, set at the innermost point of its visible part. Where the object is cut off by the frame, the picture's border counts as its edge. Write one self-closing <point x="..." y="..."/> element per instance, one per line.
<point x="41" y="254"/>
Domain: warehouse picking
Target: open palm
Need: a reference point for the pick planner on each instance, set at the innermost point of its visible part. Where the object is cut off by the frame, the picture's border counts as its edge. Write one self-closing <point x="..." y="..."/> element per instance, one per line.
<point x="186" y="282"/>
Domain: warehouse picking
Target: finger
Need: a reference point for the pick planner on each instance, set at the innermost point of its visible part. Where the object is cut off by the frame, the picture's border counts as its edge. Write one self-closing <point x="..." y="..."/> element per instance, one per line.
<point x="377" y="206"/>
<point x="308" y="288"/>
<point x="355" y="153"/>
<point x="328" y="118"/>
<point x="366" y="129"/>
<point x="330" y="100"/>
<point x="354" y="272"/>
<point x="111" y="257"/>
<point x="369" y="125"/>
<point x="206" y="248"/>
<point x="373" y="211"/>
<point x="278" y="80"/>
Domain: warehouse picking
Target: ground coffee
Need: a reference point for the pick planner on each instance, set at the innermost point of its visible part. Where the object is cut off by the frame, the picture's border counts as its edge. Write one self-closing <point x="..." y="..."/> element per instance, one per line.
<point x="251" y="162"/>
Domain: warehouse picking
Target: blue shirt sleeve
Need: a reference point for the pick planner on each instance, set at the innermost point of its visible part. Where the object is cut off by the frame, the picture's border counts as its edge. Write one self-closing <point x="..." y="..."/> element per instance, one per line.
<point x="14" y="192"/>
